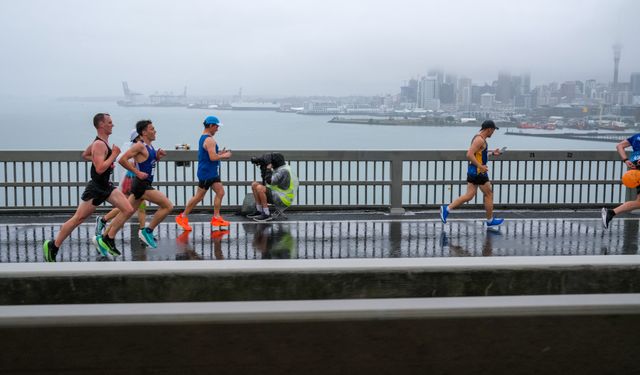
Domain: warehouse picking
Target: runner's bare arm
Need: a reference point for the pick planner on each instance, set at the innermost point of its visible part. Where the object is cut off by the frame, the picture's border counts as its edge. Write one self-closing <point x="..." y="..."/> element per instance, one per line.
<point x="86" y="154"/>
<point x="210" y="146"/>
<point x="131" y="153"/>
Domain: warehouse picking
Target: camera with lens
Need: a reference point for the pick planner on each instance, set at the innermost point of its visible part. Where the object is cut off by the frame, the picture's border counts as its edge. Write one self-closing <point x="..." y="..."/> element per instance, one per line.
<point x="262" y="162"/>
<point x="275" y="159"/>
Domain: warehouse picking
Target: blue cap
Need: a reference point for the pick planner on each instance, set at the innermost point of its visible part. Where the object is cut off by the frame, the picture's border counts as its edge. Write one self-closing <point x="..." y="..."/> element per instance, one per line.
<point x="212" y="120"/>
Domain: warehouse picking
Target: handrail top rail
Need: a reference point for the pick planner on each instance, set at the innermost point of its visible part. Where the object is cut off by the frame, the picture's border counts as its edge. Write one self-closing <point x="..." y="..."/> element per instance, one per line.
<point x="332" y="155"/>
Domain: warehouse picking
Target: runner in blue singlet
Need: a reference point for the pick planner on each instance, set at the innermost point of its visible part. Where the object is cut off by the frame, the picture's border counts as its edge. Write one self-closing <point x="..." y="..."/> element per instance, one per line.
<point x="632" y="162"/>
<point x="209" y="157"/>
<point x="146" y="156"/>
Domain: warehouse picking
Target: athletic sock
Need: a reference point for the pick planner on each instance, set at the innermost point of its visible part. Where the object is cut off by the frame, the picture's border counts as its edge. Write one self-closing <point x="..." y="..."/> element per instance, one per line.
<point x="259" y="208"/>
<point x="266" y="211"/>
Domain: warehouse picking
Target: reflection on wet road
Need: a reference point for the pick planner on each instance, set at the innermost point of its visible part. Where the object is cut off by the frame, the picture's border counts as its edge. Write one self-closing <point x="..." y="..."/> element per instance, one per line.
<point x="336" y="239"/>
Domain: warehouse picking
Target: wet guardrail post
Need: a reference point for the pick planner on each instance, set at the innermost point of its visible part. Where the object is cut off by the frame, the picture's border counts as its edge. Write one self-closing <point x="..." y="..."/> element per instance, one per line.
<point x="396" y="185"/>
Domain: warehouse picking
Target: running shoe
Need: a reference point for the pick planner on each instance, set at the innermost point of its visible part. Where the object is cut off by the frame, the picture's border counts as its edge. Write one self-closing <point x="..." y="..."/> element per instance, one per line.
<point x="263" y="217"/>
<point x="494" y="222"/>
<point x="254" y="214"/>
<point x="218" y="221"/>
<point x="444" y="240"/>
<point x="183" y="238"/>
<point x="183" y="221"/>
<point x="100" y="224"/>
<point x="607" y="216"/>
<point x="102" y="250"/>
<point x="217" y="234"/>
<point x="146" y="235"/>
<point x="109" y="244"/>
<point x="444" y="212"/>
<point x="50" y="251"/>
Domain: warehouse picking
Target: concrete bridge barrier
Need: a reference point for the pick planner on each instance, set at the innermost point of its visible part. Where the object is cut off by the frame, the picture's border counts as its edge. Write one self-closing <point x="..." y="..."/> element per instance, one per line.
<point x="206" y="281"/>
<point x="582" y="334"/>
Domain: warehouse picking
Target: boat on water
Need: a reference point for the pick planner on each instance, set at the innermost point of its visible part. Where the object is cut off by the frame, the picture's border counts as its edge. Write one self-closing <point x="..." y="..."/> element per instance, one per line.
<point x="542" y="126"/>
<point x="612" y="125"/>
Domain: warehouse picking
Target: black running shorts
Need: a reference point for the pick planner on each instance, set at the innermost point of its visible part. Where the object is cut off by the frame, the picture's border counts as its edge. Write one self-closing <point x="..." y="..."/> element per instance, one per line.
<point x="97" y="193"/>
<point x="478" y="179"/>
<point x="138" y="187"/>
<point x="206" y="184"/>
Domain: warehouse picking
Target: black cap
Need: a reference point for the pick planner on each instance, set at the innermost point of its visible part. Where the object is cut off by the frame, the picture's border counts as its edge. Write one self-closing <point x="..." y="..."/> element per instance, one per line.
<point x="489" y="124"/>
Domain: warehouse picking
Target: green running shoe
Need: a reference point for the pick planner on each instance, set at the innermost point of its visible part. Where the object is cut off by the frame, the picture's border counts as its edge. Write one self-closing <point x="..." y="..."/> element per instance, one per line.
<point x="100" y="245"/>
<point x="50" y="251"/>
<point x="109" y="245"/>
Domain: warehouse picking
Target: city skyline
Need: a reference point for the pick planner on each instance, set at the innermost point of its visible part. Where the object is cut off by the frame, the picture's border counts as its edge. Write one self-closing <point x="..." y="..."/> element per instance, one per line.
<point x="281" y="48"/>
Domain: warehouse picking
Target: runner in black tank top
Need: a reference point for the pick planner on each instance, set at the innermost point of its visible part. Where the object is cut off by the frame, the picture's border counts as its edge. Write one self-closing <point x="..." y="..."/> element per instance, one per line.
<point x="100" y="186"/>
<point x="98" y="190"/>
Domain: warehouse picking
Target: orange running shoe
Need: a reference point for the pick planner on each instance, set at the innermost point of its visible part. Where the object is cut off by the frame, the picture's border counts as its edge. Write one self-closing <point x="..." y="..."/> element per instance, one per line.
<point x="218" y="221"/>
<point x="183" y="238"/>
<point x="216" y="234"/>
<point x="183" y="221"/>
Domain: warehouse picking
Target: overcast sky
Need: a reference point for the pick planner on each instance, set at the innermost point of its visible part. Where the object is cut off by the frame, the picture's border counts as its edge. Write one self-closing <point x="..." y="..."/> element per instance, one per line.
<point x="298" y="47"/>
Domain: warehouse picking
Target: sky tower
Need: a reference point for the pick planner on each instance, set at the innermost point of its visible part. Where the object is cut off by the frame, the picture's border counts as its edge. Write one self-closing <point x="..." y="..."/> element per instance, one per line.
<point x="616" y="61"/>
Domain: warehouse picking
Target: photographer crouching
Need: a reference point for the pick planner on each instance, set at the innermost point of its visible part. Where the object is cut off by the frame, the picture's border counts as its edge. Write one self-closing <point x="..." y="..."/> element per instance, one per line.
<point x="278" y="187"/>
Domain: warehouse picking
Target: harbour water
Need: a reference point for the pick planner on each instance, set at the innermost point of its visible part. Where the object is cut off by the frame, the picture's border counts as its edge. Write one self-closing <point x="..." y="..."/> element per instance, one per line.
<point x="39" y="124"/>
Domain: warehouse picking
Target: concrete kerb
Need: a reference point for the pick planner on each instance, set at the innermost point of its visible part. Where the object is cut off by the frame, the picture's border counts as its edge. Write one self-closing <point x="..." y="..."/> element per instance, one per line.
<point x="204" y="281"/>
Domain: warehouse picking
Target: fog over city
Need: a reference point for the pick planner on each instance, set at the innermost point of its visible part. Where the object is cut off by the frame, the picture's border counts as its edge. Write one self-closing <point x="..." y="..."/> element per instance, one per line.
<point x="330" y="47"/>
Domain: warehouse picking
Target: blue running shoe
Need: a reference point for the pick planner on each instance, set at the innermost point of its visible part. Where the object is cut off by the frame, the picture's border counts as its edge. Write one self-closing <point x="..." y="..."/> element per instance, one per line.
<point x="444" y="240"/>
<point x="494" y="222"/>
<point x="100" y="224"/>
<point x="444" y="212"/>
<point x="100" y="245"/>
<point x="146" y="235"/>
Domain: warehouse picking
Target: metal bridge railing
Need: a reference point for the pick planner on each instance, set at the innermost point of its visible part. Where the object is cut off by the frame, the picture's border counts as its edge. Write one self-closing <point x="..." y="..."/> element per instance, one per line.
<point x="54" y="180"/>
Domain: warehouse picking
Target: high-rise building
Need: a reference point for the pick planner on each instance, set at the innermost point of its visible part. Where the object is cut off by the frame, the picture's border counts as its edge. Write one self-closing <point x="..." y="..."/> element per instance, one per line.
<point x="526" y="83"/>
<point x="464" y="92"/>
<point x="429" y="93"/>
<point x="568" y="91"/>
<point x="516" y="85"/>
<point x="448" y="93"/>
<point x="438" y="73"/>
<point x="487" y="101"/>
<point x="504" y="87"/>
<point x="635" y="84"/>
<point x="590" y="89"/>
<point x="579" y="88"/>
<point x="543" y="95"/>
<point x="409" y="92"/>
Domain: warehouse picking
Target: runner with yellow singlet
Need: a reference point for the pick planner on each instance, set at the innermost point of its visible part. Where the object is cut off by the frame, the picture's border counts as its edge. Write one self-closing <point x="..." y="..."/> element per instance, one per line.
<point x="477" y="175"/>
